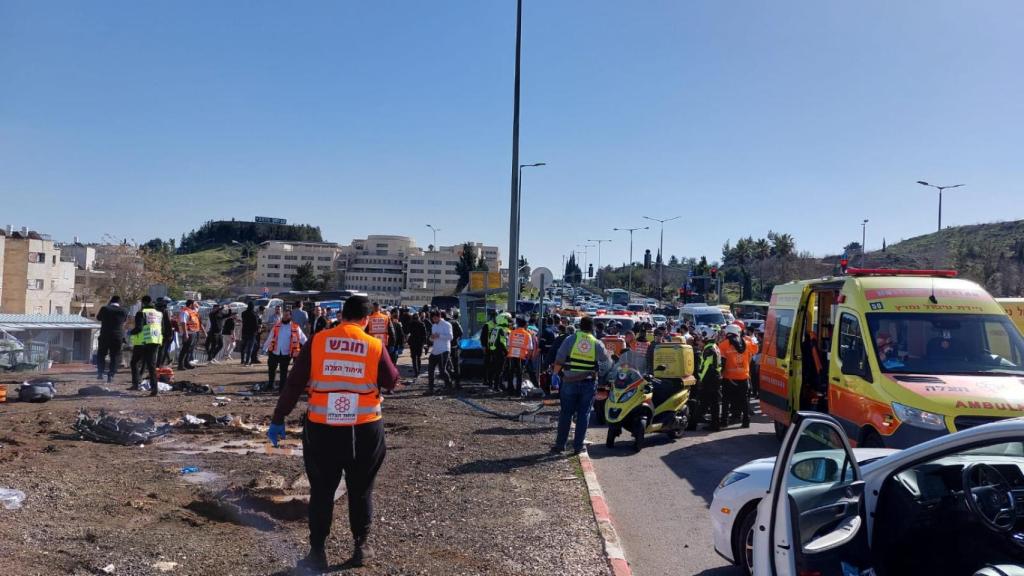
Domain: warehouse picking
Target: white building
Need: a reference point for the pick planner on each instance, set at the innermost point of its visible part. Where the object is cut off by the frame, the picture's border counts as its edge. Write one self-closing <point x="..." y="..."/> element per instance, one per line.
<point x="276" y="261"/>
<point x="35" y="280"/>
<point x="376" y="265"/>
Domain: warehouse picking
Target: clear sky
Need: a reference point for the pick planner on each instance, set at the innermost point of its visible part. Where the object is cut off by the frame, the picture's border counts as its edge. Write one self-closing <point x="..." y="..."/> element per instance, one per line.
<point x="143" y="119"/>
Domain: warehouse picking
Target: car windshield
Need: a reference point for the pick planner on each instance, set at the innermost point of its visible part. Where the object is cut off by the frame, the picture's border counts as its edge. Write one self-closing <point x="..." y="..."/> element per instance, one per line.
<point x="626" y="323"/>
<point x="924" y="343"/>
<point x="709" y="318"/>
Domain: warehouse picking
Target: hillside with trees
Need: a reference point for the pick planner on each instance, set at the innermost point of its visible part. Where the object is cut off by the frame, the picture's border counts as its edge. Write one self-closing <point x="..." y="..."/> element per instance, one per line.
<point x="223" y="232"/>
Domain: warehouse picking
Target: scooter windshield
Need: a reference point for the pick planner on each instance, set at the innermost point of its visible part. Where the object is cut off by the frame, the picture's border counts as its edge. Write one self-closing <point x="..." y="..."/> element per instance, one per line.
<point x="626" y="378"/>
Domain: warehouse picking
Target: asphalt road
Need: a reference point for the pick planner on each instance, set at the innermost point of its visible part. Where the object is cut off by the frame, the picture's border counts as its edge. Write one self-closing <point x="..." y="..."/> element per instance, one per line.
<point x="659" y="498"/>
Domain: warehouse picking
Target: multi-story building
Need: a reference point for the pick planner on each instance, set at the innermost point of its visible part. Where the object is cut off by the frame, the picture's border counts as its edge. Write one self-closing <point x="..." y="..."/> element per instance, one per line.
<point x="436" y="272"/>
<point x="276" y="261"/>
<point x="376" y="265"/>
<point x="35" y="278"/>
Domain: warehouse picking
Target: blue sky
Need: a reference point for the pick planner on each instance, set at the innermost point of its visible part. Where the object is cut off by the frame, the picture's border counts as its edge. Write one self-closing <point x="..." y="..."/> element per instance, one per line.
<point x="143" y="119"/>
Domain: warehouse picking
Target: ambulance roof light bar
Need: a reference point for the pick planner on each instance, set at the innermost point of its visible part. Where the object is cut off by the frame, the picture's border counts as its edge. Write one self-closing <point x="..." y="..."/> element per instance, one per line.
<point x="900" y="272"/>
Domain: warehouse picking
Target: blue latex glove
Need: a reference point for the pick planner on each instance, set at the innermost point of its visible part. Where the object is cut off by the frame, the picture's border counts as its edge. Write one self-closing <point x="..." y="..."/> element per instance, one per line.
<point x="275" y="433"/>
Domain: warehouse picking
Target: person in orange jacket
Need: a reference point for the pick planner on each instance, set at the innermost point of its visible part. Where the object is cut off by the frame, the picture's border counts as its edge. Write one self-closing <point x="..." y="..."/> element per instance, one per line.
<point x="737" y="351"/>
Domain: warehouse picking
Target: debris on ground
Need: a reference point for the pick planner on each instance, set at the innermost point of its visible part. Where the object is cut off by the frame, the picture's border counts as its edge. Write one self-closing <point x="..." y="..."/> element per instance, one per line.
<point x="111" y="430"/>
<point x="11" y="498"/>
<point x="208" y="420"/>
<point x="160" y="386"/>
<point x="192" y="388"/>
<point x="37" y="390"/>
<point x="96" y="390"/>
<point x="165" y="566"/>
<point x="190" y="470"/>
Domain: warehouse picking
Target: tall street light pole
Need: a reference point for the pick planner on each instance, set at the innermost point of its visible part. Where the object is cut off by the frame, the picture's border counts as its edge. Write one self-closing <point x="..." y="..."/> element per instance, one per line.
<point x="631" y="230"/>
<point x="433" y="283"/>
<point x="600" y="282"/>
<point x="863" y="240"/>
<point x="519" y="191"/>
<point x="661" y="253"/>
<point x="584" y="247"/>
<point x="513" y="242"/>
<point x="940" y="189"/>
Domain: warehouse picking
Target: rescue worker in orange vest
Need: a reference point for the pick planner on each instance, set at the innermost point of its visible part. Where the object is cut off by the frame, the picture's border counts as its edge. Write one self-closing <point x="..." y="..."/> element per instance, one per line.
<point x="379" y="325"/>
<point x="737" y="350"/>
<point x="344" y="370"/>
<point x="282" y="345"/>
<point x="191" y="327"/>
<point x="520" y="351"/>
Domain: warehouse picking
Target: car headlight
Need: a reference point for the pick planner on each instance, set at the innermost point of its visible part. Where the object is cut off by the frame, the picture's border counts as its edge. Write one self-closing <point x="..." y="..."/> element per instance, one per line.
<point x="730" y="478"/>
<point x="629" y="394"/>
<point x="919" y="418"/>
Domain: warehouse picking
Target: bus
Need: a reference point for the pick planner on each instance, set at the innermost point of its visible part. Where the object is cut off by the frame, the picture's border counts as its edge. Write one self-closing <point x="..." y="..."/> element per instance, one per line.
<point x="617" y="296"/>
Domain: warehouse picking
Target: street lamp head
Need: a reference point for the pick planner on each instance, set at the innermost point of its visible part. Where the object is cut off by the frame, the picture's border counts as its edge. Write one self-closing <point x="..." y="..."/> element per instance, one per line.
<point x="923" y="183"/>
<point x="955" y="186"/>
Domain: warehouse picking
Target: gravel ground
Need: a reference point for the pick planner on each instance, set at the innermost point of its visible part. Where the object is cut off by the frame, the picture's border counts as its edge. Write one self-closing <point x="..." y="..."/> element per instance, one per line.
<point x="460" y="492"/>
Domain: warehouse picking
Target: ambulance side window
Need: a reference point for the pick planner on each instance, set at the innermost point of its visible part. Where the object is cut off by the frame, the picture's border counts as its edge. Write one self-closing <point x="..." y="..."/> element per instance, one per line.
<point x="783" y="327"/>
<point x="852" y="353"/>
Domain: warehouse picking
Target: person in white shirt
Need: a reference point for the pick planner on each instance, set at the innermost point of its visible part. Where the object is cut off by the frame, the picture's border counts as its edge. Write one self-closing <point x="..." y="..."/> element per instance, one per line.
<point x="440" y="350"/>
<point x="282" y="345"/>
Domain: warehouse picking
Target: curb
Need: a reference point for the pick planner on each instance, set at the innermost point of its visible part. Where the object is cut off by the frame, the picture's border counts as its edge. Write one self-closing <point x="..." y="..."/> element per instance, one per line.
<point x="612" y="547"/>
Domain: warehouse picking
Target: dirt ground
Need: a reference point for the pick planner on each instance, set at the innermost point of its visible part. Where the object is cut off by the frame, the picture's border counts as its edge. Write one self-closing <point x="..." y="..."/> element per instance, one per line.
<point x="460" y="492"/>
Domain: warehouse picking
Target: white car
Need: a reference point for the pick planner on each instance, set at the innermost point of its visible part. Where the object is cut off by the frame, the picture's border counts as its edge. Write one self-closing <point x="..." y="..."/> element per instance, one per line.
<point x="659" y="320"/>
<point x="734" y="504"/>
<point x="953" y="505"/>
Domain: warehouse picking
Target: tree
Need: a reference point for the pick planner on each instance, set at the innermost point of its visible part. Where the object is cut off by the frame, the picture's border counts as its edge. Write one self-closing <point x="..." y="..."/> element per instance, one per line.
<point x="466" y="264"/>
<point x="305" y="278"/>
<point x="783" y="248"/>
<point x="481" y="264"/>
<point x="762" y="251"/>
<point x="573" y="274"/>
<point x="673" y="261"/>
<point x="852" y="248"/>
<point x="524" y="264"/>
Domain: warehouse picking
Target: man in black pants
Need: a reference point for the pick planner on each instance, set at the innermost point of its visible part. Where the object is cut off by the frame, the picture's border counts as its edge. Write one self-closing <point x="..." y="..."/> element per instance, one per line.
<point x="416" y="337"/>
<point x="440" y="349"/>
<point x="338" y="439"/>
<point x="111" y="318"/>
<point x="250" y="333"/>
<point x="146" y="335"/>
<point x="163" y="357"/>
<point x="281" y="346"/>
<point x="214" y="338"/>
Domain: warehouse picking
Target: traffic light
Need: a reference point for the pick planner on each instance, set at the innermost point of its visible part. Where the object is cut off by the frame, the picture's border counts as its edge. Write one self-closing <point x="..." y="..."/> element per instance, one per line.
<point x="714" y="272"/>
<point x="590" y="271"/>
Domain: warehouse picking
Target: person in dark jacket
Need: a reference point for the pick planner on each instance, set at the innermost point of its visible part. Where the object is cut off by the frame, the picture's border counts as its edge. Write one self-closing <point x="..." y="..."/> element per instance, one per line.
<point x="112" y="318"/>
<point x="319" y="321"/>
<point x="214" y="336"/>
<point x="250" y="334"/>
<point x="397" y="345"/>
<point x="167" y="329"/>
<point x="416" y="337"/>
<point x="454" y="357"/>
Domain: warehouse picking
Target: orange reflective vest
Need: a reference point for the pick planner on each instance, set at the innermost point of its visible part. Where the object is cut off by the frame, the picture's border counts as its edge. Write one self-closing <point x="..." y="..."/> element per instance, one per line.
<point x="520" y="341"/>
<point x="193" y="323"/>
<point x="737" y="364"/>
<point x="641" y="347"/>
<point x="343" y="377"/>
<point x="377" y="326"/>
<point x="294" y="346"/>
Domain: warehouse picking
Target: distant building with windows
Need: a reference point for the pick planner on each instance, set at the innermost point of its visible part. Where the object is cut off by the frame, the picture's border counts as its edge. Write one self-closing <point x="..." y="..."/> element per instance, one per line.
<point x="34" y="279"/>
<point x="376" y="265"/>
<point x="276" y="261"/>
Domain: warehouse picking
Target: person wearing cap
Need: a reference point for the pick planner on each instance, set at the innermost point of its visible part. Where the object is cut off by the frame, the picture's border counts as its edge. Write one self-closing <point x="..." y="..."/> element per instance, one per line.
<point x="737" y="351"/>
<point x="581" y="359"/>
<point x="344" y="369"/>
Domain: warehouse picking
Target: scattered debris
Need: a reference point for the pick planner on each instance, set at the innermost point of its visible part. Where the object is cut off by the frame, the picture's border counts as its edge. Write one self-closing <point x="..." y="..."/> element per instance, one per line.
<point x="108" y="569"/>
<point x="191" y="388"/>
<point x="190" y="469"/>
<point x="11" y="498"/>
<point x="208" y="420"/>
<point x="37" y="390"/>
<point x="160" y="386"/>
<point x="222" y="398"/>
<point x="190" y="420"/>
<point x="165" y="566"/>
<point x="96" y="391"/>
<point x="111" y="430"/>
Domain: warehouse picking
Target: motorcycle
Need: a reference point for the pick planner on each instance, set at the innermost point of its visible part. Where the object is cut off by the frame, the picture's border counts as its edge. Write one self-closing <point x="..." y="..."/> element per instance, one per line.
<point x="645" y="405"/>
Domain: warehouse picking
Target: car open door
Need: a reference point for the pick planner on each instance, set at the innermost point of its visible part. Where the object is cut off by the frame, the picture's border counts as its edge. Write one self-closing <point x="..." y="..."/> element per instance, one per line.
<point x="813" y="519"/>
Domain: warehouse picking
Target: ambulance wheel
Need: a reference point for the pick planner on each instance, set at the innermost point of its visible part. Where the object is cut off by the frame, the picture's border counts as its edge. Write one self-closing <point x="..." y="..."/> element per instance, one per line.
<point x="871" y="439"/>
<point x="613" y="433"/>
<point x="780" y="431"/>
<point x="639" y="428"/>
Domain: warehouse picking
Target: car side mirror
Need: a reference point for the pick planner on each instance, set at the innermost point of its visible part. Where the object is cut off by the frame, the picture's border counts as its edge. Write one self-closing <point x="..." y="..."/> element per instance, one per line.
<point x="816" y="470"/>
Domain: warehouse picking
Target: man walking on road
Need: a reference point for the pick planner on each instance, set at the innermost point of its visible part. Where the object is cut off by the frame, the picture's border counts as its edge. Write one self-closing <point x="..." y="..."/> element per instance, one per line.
<point x="191" y="327"/>
<point x="416" y="336"/>
<point x="111" y="339"/>
<point x="440" y="348"/>
<point x="250" y="333"/>
<point x="146" y="335"/>
<point x="214" y="338"/>
<point x="582" y="359"/>
<point x="737" y="350"/>
<point x="282" y="345"/>
<point x="343" y="433"/>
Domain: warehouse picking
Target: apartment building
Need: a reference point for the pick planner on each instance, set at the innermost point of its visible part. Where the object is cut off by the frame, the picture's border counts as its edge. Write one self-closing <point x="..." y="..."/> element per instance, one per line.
<point x="35" y="280"/>
<point x="276" y="261"/>
<point x="436" y="270"/>
<point x="376" y="265"/>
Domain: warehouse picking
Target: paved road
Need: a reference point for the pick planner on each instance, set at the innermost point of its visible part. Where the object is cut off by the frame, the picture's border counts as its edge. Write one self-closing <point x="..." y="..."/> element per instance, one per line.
<point x="659" y="498"/>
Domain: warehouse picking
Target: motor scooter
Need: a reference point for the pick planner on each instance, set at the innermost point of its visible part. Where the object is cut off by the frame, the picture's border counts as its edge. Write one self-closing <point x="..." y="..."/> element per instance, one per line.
<point x="646" y="405"/>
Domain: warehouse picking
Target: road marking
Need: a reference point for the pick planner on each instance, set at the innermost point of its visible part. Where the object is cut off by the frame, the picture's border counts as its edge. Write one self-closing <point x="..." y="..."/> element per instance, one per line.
<point x="612" y="547"/>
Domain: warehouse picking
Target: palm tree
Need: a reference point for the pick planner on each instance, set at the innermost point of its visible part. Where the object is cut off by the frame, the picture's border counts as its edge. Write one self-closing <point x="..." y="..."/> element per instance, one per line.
<point x="762" y="251"/>
<point x="783" y="246"/>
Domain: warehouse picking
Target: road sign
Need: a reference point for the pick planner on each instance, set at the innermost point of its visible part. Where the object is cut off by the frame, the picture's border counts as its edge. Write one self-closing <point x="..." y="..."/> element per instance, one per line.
<point x="477" y="280"/>
<point x="541" y="276"/>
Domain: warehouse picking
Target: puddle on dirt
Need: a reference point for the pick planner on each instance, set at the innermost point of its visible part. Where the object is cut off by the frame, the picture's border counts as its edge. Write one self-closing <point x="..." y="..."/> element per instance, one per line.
<point x="243" y="447"/>
<point x="201" y="477"/>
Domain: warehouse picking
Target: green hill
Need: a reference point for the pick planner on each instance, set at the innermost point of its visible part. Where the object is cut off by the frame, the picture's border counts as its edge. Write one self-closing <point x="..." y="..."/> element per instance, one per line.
<point x="217" y="272"/>
<point x="224" y="232"/>
<point x="990" y="254"/>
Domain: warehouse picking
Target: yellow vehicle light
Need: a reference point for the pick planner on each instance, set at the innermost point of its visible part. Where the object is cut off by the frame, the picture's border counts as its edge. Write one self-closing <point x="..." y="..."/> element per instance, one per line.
<point x="726" y="511"/>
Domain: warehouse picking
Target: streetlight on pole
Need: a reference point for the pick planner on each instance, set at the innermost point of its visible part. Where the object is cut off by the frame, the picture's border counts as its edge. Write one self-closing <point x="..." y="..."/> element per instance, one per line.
<point x="513" y="243"/>
<point x="585" y="247"/>
<point x="631" y="230"/>
<point x="433" y="284"/>
<point x="600" y="284"/>
<point x="661" y="252"/>
<point x="940" y="189"/>
<point x="863" y="240"/>
<point x="520" y="191"/>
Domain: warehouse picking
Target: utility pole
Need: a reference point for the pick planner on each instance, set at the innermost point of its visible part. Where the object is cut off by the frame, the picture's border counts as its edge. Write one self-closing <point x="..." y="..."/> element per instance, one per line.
<point x="661" y="253"/>
<point x="940" y="189"/>
<point x="600" y="281"/>
<point x="631" y="230"/>
<point x="513" y="243"/>
<point x="863" y="241"/>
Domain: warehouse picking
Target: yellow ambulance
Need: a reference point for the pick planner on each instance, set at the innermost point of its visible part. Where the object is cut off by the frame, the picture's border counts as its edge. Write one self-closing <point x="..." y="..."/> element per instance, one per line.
<point x="1015" y="310"/>
<point x="897" y="356"/>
